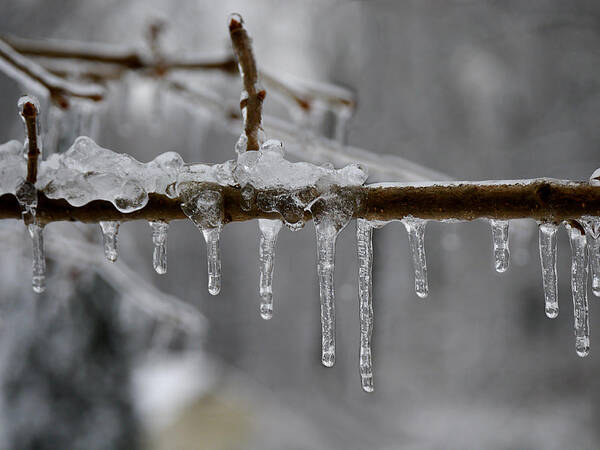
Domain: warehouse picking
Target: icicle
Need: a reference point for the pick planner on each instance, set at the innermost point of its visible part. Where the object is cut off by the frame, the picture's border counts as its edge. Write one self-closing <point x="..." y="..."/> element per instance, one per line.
<point x="206" y="211"/>
<point x="110" y="229"/>
<point x="39" y="258"/>
<point x="579" y="272"/>
<point x="500" y="238"/>
<point x="159" y="239"/>
<point x="331" y="214"/>
<point x="269" y="229"/>
<point x="342" y="114"/>
<point x="364" y="244"/>
<point x="592" y="230"/>
<point x="547" y="239"/>
<point x="416" y="238"/>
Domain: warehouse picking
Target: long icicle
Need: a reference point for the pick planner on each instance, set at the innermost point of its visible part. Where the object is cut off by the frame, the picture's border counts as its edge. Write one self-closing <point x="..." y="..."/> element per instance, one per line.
<point x="500" y="240"/>
<point x="416" y="239"/>
<point x="38" y="282"/>
<point x="547" y="241"/>
<point x="579" y="271"/>
<point x="110" y="230"/>
<point x="268" y="231"/>
<point x="326" y="238"/>
<point x="159" y="239"/>
<point x="592" y="231"/>
<point x="364" y="244"/>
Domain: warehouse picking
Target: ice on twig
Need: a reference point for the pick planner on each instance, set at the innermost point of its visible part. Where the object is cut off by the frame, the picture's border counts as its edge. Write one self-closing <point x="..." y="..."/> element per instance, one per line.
<point x="547" y="241"/>
<point x="500" y="241"/>
<point x="579" y="271"/>
<point x="416" y="238"/>
<point x="110" y="230"/>
<point x="159" y="239"/>
<point x="268" y="231"/>
<point x="205" y="209"/>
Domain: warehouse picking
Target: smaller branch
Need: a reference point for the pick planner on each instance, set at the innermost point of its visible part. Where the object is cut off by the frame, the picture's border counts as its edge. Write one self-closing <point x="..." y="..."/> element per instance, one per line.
<point x="18" y="66"/>
<point x="242" y="47"/>
<point x="30" y="113"/>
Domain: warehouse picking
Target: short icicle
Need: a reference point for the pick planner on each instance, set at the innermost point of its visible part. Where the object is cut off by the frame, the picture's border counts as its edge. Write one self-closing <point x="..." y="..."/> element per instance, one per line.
<point x="159" y="239"/>
<point x="205" y="209"/>
<point x="500" y="240"/>
<point x="36" y="232"/>
<point x="579" y="271"/>
<point x="592" y="230"/>
<point x="268" y="231"/>
<point x="416" y="238"/>
<point x="547" y="240"/>
<point x="110" y="230"/>
<point x="364" y="244"/>
<point x="331" y="214"/>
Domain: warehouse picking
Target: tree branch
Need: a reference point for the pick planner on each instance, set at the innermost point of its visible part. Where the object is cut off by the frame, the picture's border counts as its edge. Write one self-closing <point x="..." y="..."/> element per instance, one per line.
<point x="252" y="104"/>
<point x="30" y="113"/>
<point x="545" y="200"/>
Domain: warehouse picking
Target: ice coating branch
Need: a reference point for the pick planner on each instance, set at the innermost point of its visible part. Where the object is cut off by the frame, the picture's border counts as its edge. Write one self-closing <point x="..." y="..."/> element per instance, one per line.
<point x="205" y="209"/>
<point x="416" y="239"/>
<point x="252" y="94"/>
<point x="268" y="231"/>
<point x="159" y="239"/>
<point x="29" y="109"/>
<point x="547" y="241"/>
<point x="110" y="230"/>
<point x="500" y="241"/>
<point x="579" y="271"/>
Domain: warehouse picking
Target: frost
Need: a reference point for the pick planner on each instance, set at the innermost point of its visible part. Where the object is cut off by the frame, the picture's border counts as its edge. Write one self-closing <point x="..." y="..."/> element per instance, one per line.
<point x="110" y="230"/>
<point x="579" y="271"/>
<point x="205" y="209"/>
<point x="547" y="241"/>
<point x="89" y="172"/>
<point x="416" y="238"/>
<point x="159" y="239"/>
<point x="500" y="240"/>
<point x="268" y="231"/>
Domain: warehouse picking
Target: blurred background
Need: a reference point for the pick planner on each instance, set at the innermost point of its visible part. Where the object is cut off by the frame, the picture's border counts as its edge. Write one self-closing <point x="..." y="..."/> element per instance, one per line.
<point x="474" y="90"/>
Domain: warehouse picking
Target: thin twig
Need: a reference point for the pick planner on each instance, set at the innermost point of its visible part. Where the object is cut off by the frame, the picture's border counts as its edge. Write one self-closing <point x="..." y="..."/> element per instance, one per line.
<point x="252" y="103"/>
<point x="540" y="199"/>
<point x="59" y="89"/>
<point x="30" y="113"/>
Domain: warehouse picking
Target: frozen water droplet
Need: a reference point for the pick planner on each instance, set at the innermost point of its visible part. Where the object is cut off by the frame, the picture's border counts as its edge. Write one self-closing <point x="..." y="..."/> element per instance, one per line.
<point x="364" y="244"/>
<point x="547" y="240"/>
<point x="241" y="144"/>
<point x="110" y="229"/>
<point x="416" y="238"/>
<point x="268" y="229"/>
<point x="159" y="239"/>
<point x="28" y="99"/>
<point x="205" y="209"/>
<point x="592" y="229"/>
<point x="248" y="193"/>
<point x="500" y="239"/>
<point x="579" y="271"/>
<point x="331" y="214"/>
<point x="235" y="16"/>
<point x="36" y="232"/>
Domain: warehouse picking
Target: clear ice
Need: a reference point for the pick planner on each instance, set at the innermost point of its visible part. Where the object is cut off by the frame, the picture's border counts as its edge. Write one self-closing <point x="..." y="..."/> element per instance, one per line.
<point x="416" y="238"/>
<point x="592" y="230"/>
<point x="205" y="209"/>
<point x="36" y="232"/>
<point x="159" y="239"/>
<point x="110" y="230"/>
<point x="579" y="271"/>
<point x="364" y="244"/>
<point x="500" y="239"/>
<point x="331" y="213"/>
<point x="268" y="231"/>
<point x="547" y="240"/>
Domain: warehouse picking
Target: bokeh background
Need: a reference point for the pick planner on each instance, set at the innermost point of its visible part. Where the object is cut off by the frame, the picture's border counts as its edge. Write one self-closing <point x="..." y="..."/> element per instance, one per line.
<point x="476" y="90"/>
